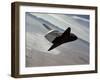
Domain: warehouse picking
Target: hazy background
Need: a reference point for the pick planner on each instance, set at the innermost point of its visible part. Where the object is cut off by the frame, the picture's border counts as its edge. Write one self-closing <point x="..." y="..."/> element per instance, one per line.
<point x="73" y="53"/>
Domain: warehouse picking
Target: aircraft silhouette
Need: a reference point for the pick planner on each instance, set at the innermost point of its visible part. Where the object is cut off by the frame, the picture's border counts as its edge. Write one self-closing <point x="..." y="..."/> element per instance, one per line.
<point x="60" y="38"/>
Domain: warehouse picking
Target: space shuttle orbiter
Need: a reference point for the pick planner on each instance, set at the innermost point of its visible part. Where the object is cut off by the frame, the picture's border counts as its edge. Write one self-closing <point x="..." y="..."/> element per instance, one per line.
<point x="58" y="38"/>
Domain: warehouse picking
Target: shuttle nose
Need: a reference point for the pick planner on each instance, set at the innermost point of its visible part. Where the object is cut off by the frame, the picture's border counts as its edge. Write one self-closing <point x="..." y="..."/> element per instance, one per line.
<point x="75" y="37"/>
